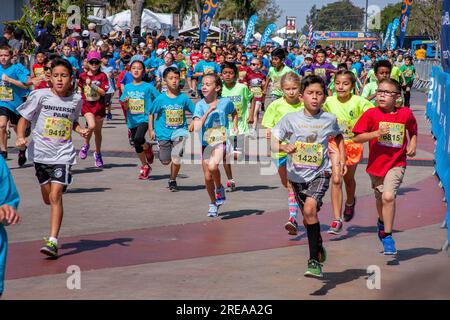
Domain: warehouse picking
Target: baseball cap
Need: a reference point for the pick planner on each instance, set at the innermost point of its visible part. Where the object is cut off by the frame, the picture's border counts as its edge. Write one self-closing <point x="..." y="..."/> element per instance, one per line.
<point x="85" y="33"/>
<point x="93" y="55"/>
<point x="309" y="55"/>
<point x="159" y="52"/>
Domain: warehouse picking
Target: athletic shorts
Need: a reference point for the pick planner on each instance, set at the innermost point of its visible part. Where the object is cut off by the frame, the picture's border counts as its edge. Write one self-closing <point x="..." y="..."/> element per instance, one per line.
<point x="189" y="74"/>
<point x="207" y="150"/>
<point x="169" y="149"/>
<point x="12" y="116"/>
<point x="57" y="173"/>
<point x="389" y="183"/>
<point x="353" y="151"/>
<point x="315" y="189"/>
<point x="279" y="162"/>
<point x="97" y="109"/>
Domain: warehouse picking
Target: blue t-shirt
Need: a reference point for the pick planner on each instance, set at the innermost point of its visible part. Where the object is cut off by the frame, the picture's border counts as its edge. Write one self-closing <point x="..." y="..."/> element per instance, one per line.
<point x="156" y="63"/>
<point x="127" y="78"/>
<point x="11" y="95"/>
<point x="73" y="61"/>
<point x="205" y="67"/>
<point x="358" y="66"/>
<point x="170" y="114"/>
<point x="9" y="196"/>
<point x="217" y="120"/>
<point x="291" y="56"/>
<point x="266" y="64"/>
<point x="298" y="62"/>
<point x="140" y="100"/>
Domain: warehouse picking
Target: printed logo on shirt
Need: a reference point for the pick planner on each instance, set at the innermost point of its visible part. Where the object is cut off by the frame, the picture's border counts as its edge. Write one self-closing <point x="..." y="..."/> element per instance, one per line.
<point x="346" y="128"/>
<point x="395" y="137"/>
<point x="91" y="94"/>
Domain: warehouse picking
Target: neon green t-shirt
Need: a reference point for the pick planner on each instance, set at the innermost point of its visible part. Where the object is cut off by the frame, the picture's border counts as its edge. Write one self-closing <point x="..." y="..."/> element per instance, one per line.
<point x="369" y="90"/>
<point x="408" y="73"/>
<point x="396" y="73"/>
<point x="347" y="113"/>
<point x="275" y="77"/>
<point x="241" y="96"/>
<point x="275" y="111"/>
<point x="371" y="76"/>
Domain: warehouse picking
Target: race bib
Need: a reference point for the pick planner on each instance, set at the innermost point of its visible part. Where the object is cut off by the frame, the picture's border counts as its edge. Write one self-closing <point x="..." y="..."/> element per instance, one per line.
<point x="216" y="135"/>
<point x="6" y="93"/>
<point x="208" y="70"/>
<point x="136" y="106"/>
<point x="38" y="72"/>
<point x="57" y="128"/>
<point x="307" y="155"/>
<point x="346" y="128"/>
<point x="174" y="118"/>
<point x="308" y="73"/>
<point x="257" y="92"/>
<point x="242" y="75"/>
<point x="321" y="72"/>
<point x="395" y="137"/>
<point x="91" y="95"/>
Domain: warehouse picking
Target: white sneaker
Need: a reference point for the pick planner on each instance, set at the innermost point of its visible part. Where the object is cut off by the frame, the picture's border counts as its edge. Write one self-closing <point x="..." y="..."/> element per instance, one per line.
<point x="212" y="212"/>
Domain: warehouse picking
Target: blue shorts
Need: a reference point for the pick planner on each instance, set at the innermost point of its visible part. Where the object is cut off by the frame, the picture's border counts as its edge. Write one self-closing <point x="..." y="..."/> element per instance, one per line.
<point x="3" y="250"/>
<point x="280" y="162"/>
<point x="189" y="74"/>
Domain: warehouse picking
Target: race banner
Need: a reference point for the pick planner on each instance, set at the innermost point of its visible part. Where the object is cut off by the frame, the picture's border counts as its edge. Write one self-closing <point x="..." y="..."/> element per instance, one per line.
<point x="267" y="32"/>
<point x="290" y="25"/>
<point x="250" y="28"/>
<point x="406" y="9"/>
<point x="209" y="9"/>
<point x="387" y="35"/>
<point x="393" y="38"/>
<point x="445" y="36"/>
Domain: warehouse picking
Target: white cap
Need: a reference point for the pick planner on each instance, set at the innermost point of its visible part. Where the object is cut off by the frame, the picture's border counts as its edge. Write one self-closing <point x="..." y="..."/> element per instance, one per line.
<point x="99" y="43"/>
<point x="142" y="44"/>
<point x="159" y="52"/>
<point x="91" y="25"/>
<point x="85" y="33"/>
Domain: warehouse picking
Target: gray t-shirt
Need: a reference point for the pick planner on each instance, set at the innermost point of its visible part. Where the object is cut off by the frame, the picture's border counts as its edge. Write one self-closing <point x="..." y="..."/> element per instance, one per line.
<point x="310" y="134"/>
<point x="52" y="119"/>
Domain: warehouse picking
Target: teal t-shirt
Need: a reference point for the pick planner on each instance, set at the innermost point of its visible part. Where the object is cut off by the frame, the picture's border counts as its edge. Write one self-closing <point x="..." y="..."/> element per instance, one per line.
<point x="11" y="95"/>
<point x="205" y="67"/>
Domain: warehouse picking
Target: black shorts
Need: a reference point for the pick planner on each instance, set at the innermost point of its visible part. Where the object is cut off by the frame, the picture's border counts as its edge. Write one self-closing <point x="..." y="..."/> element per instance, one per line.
<point x="58" y="173"/>
<point x="12" y="116"/>
<point x="314" y="189"/>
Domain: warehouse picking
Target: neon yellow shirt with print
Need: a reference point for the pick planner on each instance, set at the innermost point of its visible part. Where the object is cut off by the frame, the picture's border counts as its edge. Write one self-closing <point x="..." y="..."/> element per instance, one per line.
<point x="396" y="73"/>
<point x="275" y="77"/>
<point x="275" y="111"/>
<point x="241" y="96"/>
<point x="347" y="113"/>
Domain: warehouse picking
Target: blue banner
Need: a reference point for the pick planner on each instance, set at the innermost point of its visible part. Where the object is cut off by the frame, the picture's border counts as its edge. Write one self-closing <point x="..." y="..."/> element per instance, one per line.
<point x="387" y="35"/>
<point x="393" y="38"/>
<point x="209" y="9"/>
<point x="250" y="27"/>
<point x="438" y="112"/>
<point x="406" y="9"/>
<point x="445" y="36"/>
<point x="267" y="32"/>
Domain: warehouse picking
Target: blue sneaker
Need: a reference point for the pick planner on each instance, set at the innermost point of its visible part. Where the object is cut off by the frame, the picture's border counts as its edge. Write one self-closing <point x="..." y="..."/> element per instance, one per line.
<point x="389" y="246"/>
<point x="380" y="228"/>
<point x="220" y="196"/>
<point x="212" y="212"/>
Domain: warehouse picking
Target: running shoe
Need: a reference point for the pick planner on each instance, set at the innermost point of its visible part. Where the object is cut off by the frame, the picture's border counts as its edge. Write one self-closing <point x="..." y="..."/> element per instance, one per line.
<point x="335" y="226"/>
<point x="22" y="159"/>
<point x="84" y="151"/>
<point x="4" y="154"/>
<point x="144" y="172"/>
<point x="109" y="116"/>
<point x="292" y="226"/>
<point x="220" y="196"/>
<point x="212" y="211"/>
<point x="389" y="246"/>
<point x="50" y="248"/>
<point x="149" y="154"/>
<point x="98" y="160"/>
<point x="314" y="269"/>
<point x="380" y="229"/>
<point x="173" y="186"/>
<point x="349" y="211"/>
<point x="231" y="186"/>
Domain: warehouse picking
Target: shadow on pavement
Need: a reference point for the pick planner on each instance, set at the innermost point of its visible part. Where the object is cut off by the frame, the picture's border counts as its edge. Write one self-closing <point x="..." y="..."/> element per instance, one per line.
<point x="240" y="213"/>
<point x="106" y="166"/>
<point x="254" y="188"/>
<point x="191" y="188"/>
<point x="90" y="245"/>
<point x="405" y="190"/>
<point x="87" y="190"/>
<point x="353" y="231"/>
<point x="28" y="165"/>
<point x="166" y="176"/>
<point x="405" y="255"/>
<point x="332" y="279"/>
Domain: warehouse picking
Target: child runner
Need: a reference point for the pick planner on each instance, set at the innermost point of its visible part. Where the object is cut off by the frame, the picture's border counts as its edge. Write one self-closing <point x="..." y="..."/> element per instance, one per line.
<point x="9" y="201"/>
<point x="322" y="68"/>
<point x="53" y="114"/>
<point x="241" y="96"/>
<point x="109" y="71"/>
<point x="211" y="119"/>
<point x="38" y="66"/>
<point x="12" y="83"/>
<point x="204" y="67"/>
<point x="307" y="68"/>
<point x="137" y="99"/>
<point x="276" y="71"/>
<point x="182" y="66"/>
<point x="256" y="83"/>
<point x="408" y="72"/>
<point x="384" y="127"/>
<point x="347" y="107"/>
<point x="94" y="85"/>
<point x="168" y="62"/>
<point x="194" y="58"/>
<point x="382" y="70"/>
<point x="170" y="126"/>
<point x="244" y="70"/>
<point x="291" y="85"/>
<point x="309" y="168"/>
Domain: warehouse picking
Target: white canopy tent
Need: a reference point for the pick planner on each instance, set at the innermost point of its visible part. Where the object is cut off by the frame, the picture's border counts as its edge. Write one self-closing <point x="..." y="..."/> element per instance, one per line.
<point x="193" y="32"/>
<point x="278" y="40"/>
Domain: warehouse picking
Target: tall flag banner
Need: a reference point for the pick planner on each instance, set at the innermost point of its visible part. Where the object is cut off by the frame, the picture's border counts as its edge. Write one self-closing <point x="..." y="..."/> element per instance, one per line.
<point x="445" y="36"/>
<point x="310" y="33"/>
<point x="209" y="9"/>
<point x="406" y="9"/>
<point x="387" y="35"/>
<point x="267" y="32"/>
<point x="250" y="28"/>
<point x="393" y="38"/>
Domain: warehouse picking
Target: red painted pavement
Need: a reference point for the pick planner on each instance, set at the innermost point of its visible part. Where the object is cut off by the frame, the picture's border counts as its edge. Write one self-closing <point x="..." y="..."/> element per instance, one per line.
<point x="419" y="205"/>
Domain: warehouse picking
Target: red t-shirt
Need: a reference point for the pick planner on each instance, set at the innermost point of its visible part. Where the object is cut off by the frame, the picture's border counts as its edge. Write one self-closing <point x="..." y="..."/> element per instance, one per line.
<point x="195" y="58"/>
<point x="42" y="85"/>
<point x="38" y="69"/>
<point x="92" y="101"/>
<point x="388" y="151"/>
<point x="255" y="84"/>
<point x="243" y="72"/>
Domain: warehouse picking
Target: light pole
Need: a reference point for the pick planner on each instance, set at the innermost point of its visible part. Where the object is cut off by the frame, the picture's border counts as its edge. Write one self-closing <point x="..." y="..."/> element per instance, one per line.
<point x="367" y="5"/>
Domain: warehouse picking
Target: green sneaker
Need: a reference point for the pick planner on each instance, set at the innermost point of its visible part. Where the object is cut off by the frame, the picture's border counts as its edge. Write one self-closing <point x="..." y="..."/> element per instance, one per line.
<point x="50" y="248"/>
<point x="314" y="269"/>
<point x="322" y="255"/>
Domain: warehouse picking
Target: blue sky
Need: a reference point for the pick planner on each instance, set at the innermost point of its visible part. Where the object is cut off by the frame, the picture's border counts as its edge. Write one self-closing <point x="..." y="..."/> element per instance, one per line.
<point x="301" y="8"/>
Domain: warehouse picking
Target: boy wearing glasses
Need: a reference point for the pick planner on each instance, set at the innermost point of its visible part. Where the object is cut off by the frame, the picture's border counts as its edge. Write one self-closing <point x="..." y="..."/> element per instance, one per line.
<point x="384" y="127"/>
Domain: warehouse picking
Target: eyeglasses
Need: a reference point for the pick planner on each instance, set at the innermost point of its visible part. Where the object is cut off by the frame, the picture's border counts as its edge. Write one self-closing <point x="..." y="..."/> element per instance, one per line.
<point x="387" y="93"/>
<point x="46" y="68"/>
<point x="254" y="64"/>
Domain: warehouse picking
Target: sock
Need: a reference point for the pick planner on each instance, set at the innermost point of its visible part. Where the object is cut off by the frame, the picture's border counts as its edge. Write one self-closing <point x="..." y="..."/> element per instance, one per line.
<point x="293" y="205"/>
<point x="385" y="234"/>
<point x="54" y="240"/>
<point x="314" y="240"/>
<point x="380" y="222"/>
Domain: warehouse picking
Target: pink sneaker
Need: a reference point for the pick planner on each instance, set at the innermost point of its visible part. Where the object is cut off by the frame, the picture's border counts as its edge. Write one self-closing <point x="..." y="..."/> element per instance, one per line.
<point x="84" y="151"/>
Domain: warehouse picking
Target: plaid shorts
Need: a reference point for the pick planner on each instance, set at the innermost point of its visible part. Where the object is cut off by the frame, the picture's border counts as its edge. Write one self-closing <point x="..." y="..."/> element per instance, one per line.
<point x="315" y="189"/>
